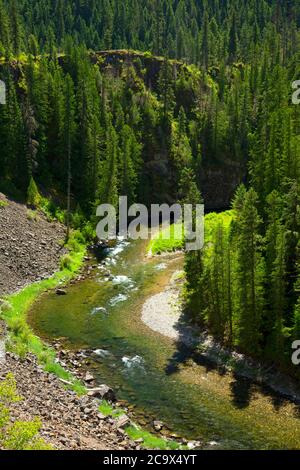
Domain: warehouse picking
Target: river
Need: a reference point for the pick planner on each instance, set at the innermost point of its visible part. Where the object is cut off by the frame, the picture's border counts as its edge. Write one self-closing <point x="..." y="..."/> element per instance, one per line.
<point x="156" y="376"/>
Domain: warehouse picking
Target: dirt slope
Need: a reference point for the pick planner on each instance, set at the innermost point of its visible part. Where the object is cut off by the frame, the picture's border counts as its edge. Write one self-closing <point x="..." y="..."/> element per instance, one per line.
<point x="30" y="247"/>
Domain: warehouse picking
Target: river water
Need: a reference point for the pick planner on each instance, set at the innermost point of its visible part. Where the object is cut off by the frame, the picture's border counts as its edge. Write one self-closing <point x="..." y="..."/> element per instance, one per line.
<point x="160" y="378"/>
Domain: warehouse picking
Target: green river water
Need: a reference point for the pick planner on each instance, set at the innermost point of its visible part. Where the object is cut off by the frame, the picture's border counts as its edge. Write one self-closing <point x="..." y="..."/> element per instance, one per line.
<point x="158" y="377"/>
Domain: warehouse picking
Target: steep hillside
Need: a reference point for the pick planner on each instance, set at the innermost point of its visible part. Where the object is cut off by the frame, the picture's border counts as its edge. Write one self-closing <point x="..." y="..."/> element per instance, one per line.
<point x="137" y="120"/>
<point x="30" y="246"/>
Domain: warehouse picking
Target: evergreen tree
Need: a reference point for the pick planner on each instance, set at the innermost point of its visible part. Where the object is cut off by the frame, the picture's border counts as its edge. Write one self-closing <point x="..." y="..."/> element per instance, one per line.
<point x="249" y="272"/>
<point x="69" y="128"/>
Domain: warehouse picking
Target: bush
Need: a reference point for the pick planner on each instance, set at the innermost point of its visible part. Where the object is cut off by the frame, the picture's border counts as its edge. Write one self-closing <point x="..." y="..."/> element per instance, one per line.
<point x="76" y="241"/>
<point x="32" y="216"/>
<point x="8" y="188"/>
<point x="16" y="326"/>
<point x="89" y="231"/>
<point x="66" y="262"/>
<point x="19" y="435"/>
<point x="4" y="306"/>
<point x="33" y="195"/>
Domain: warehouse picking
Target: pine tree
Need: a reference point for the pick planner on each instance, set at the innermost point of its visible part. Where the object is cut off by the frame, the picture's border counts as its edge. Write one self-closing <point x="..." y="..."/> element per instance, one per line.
<point x="69" y="128"/>
<point x="194" y="268"/>
<point x="249" y="272"/>
<point x="232" y="48"/>
<point x="109" y="185"/>
<point x="15" y="26"/>
<point x="205" y="41"/>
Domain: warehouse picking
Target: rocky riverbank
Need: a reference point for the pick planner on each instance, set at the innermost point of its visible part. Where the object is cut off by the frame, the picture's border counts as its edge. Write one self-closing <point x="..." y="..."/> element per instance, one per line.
<point x="68" y="422"/>
<point x="163" y="314"/>
<point x="30" y="250"/>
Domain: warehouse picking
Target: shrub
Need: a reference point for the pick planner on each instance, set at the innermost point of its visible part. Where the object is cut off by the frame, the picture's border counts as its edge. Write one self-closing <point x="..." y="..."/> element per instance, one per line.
<point x="19" y="435"/>
<point x="32" y="215"/>
<point x="76" y="241"/>
<point x="8" y="188"/>
<point x="33" y="195"/>
<point x="16" y="326"/>
<point x="66" y="262"/>
<point x="89" y="231"/>
<point x="4" y="306"/>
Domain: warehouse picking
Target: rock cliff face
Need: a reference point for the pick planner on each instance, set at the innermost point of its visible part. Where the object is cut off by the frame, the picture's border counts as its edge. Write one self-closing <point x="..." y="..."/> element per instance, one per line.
<point x="151" y="65"/>
<point x="218" y="185"/>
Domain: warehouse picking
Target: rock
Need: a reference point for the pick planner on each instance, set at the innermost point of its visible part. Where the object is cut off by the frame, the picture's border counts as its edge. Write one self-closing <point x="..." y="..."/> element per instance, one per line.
<point x="191" y="445"/>
<point x="89" y="377"/>
<point x="213" y="443"/>
<point x="158" y="425"/>
<point x="61" y="292"/>
<point x="104" y="392"/>
<point x="139" y="441"/>
<point x="122" y="422"/>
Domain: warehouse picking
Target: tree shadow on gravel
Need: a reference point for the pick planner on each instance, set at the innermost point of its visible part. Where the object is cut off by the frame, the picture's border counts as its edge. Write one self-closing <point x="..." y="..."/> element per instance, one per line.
<point x="243" y="389"/>
<point x="187" y="350"/>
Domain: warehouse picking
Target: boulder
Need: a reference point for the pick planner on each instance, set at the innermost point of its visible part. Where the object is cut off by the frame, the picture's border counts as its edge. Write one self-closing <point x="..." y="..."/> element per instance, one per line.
<point x="61" y="292"/>
<point x="122" y="422"/>
<point x="104" y="392"/>
<point x="139" y="441"/>
<point x="158" y="425"/>
<point x="89" y="377"/>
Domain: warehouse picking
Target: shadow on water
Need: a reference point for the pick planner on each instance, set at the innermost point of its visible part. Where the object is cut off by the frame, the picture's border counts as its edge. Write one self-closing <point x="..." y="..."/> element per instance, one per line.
<point x="243" y="389"/>
<point x="187" y="350"/>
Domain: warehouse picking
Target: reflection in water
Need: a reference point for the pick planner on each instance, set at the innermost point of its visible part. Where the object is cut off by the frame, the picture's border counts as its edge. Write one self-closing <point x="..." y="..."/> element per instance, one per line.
<point x="133" y="362"/>
<point x="102" y="353"/>
<point x="99" y="310"/>
<point x="164" y="380"/>
<point x="117" y="299"/>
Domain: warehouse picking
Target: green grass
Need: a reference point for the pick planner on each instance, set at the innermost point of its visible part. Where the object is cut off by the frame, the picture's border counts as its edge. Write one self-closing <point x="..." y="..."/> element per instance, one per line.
<point x="21" y="338"/>
<point x="167" y="240"/>
<point x="150" y="441"/>
<point x="32" y="215"/>
<point x="3" y="204"/>
<point x="173" y="240"/>
<point x="107" y="410"/>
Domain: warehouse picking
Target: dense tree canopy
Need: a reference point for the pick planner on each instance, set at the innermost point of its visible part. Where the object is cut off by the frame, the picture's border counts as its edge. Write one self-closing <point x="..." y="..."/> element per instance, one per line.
<point x="147" y="127"/>
<point x="201" y="31"/>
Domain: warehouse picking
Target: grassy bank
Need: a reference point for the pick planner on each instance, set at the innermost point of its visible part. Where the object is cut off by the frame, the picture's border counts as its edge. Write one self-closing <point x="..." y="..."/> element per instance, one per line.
<point x="21" y="339"/>
<point x="169" y="240"/>
<point x="148" y="440"/>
